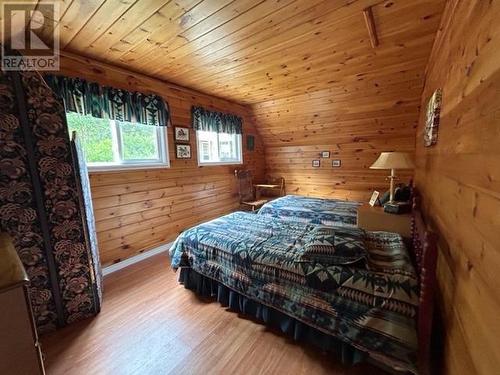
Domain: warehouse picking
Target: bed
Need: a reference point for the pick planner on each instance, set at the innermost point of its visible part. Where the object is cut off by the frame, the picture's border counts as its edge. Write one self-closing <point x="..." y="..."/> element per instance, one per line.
<point x="312" y="210"/>
<point x="365" y="307"/>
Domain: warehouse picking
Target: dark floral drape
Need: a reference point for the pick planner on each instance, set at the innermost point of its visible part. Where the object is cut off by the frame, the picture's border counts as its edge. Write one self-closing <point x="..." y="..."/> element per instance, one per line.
<point x="89" y="98"/>
<point x="39" y="203"/>
<point x="219" y="122"/>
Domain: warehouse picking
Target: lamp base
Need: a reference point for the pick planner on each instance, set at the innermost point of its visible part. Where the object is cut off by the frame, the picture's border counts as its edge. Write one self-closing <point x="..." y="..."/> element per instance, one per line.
<point x="397" y="207"/>
<point x="392" y="177"/>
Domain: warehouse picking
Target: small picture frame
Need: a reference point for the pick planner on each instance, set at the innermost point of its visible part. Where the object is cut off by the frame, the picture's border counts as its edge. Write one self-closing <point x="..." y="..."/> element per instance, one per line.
<point x="336" y="163"/>
<point x="316" y="163"/>
<point x="432" y="122"/>
<point x="325" y="154"/>
<point x="181" y="134"/>
<point x="183" y="151"/>
<point x="374" y="198"/>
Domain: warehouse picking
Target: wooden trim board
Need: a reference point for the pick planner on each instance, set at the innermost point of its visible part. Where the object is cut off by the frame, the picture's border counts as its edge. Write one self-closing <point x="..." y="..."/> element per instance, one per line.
<point x="136" y="259"/>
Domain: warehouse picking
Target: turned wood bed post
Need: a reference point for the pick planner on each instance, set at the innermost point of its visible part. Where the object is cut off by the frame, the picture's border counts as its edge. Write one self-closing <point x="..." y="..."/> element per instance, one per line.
<point x="425" y="253"/>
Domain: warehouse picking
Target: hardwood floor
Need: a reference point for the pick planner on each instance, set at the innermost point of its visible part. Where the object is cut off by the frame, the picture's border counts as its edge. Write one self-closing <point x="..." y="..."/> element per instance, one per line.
<point x="150" y="324"/>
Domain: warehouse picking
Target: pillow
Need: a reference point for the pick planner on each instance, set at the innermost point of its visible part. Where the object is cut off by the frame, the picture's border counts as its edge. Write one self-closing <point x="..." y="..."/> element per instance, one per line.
<point x="335" y="245"/>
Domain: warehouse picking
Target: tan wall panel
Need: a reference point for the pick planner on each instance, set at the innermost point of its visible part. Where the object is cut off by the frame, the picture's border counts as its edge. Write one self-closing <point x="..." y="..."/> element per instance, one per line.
<point x="355" y="128"/>
<point x="460" y="181"/>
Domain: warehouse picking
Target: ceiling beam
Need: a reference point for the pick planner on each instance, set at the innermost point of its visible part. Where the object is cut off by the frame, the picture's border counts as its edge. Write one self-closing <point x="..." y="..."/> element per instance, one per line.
<point x="370" y="25"/>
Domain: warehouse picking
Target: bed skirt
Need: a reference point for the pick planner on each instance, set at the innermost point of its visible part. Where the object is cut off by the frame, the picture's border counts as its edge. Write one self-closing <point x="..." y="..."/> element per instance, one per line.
<point x="301" y="332"/>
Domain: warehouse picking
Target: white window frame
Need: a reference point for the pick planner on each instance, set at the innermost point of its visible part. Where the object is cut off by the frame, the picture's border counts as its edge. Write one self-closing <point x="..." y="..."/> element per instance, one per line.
<point x="202" y="163"/>
<point x="162" y="162"/>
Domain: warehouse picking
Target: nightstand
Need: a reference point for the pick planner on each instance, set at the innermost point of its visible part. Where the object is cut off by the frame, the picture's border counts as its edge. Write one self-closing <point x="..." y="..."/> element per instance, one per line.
<point x="375" y="219"/>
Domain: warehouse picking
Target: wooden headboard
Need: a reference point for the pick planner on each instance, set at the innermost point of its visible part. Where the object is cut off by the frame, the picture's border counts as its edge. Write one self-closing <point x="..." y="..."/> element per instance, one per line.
<point x="424" y="246"/>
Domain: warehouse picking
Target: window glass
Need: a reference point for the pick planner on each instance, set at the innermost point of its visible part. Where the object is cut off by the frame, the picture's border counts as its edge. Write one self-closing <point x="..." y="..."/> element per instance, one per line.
<point x="95" y="136"/>
<point x="110" y="144"/>
<point x="228" y="147"/>
<point x="205" y="150"/>
<point x="139" y="142"/>
<point x="218" y="148"/>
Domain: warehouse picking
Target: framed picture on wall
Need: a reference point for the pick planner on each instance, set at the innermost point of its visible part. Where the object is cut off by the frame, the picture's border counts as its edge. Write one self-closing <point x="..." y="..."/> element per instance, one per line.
<point x="336" y="163"/>
<point x="316" y="163"/>
<point x="183" y="151"/>
<point x="432" y="121"/>
<point x="325" y="154"/>
<point x="181" y="134"/>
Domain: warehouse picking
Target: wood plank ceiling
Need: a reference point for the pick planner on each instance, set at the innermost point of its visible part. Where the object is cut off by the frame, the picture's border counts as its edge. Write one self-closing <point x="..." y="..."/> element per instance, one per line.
<point x="252" y="51"/>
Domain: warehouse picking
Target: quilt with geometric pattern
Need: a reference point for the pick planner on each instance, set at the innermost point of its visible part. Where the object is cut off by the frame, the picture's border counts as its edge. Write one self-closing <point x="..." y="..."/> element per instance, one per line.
<point x="370" y="305"/>
<point x="312" y="210"/>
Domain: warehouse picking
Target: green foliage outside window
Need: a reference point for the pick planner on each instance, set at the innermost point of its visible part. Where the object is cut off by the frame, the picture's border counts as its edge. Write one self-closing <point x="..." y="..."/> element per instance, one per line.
<point x="139" y="142"/>
<point x="95" y="136"/>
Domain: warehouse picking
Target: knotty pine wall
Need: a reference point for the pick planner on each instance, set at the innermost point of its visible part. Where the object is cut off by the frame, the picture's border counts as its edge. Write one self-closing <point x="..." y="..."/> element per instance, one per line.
<point x="460" y="181"/>
<point x="142" y="209"/>
<point x="355" y="123"/>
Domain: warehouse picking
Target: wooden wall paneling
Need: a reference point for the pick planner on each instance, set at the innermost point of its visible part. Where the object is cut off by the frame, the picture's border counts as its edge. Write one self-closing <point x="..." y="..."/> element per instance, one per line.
<point x="217" y="39"/>
<point x="137" y="241"/>
<point x="256" y="30"/>
<point x="102" y="19"/>
<point x="175" y="211"/>
<point x="75" y="17"/>
<point x="232" y="9"/>
<point x="192" y="12"/>
<point x="372" y="106"/>
<point x="460" y="181"/>
<point x="326" y="22"/>
<point x="282" y="47"/>
<point x="251" y="51"/>
<point x="62" y="4"/>
<point x="151" y="39"/>
<point x="355" y="128"/>
<point x="293" y="31"/>
<point x="141" y="209"/>
<point x="317" y="33"/>
<point x="132" y="18"/>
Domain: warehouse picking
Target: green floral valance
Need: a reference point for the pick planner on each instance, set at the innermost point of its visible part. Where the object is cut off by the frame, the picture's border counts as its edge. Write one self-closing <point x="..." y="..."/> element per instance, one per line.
<point x="204" y="119"/>
<point x="89" y="98"/>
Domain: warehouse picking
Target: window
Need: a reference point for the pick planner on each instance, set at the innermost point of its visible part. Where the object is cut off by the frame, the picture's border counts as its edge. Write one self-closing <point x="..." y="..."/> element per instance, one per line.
<point x="218" y="148"/>
<point x="205" y="152"/>
<point x="114" y="145"/>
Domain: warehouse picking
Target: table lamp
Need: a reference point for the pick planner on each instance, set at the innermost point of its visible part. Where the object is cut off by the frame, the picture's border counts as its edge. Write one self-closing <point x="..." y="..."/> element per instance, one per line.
<point x="393" y="161"/>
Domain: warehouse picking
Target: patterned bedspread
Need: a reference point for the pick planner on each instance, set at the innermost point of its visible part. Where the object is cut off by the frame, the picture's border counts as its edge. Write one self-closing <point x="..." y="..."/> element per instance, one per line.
<point x="371" y="306"/>
<point x="312" y="210"/>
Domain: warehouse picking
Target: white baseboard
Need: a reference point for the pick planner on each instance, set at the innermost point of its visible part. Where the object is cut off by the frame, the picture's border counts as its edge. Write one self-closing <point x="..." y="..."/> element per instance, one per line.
<point x="136" y="258"/>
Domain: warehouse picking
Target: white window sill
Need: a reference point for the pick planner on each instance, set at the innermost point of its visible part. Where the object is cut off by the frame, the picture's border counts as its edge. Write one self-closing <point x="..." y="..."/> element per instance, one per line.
<point x="125" y="167"/>
<point x="219" y="163"/>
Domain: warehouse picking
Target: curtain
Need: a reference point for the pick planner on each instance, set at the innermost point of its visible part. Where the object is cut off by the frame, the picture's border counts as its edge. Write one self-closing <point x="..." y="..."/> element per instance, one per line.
<point x="219" y="122"/>
<point x="89" y="98"/>
<point x="39" y="204"/>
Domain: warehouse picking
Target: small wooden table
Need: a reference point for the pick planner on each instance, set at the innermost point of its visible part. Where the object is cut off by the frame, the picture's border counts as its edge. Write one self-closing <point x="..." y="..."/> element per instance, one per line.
<point x="264" y="186"/>
<point x="375" y="219"/>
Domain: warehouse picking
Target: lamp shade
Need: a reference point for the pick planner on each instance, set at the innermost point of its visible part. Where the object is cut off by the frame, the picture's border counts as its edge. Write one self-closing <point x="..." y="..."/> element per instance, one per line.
<point x="393" y="160"/>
